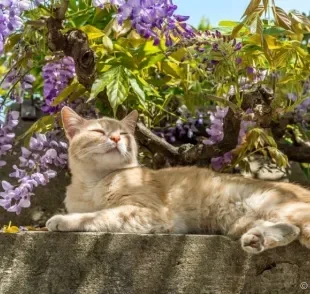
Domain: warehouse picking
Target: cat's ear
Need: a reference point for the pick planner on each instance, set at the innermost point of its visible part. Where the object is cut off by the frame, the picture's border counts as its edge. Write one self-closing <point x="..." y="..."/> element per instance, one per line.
<point x="72" y="122"/>
<point x="131" y="120"/>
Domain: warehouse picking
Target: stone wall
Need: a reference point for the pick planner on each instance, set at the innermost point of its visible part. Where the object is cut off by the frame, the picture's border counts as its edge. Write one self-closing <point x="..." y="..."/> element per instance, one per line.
<point x="89" y="263"/>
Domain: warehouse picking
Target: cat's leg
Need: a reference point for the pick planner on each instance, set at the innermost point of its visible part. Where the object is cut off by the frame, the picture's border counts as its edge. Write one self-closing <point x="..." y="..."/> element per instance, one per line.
<point x="297" y="213"/>
<point x="125" y="219"/>
<point x="268" y="235"/>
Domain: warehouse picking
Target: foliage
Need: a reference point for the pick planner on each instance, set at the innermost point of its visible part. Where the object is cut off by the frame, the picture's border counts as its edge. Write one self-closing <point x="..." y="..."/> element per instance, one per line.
<point x="150" y="59"/>
<point x="204" y="24"/>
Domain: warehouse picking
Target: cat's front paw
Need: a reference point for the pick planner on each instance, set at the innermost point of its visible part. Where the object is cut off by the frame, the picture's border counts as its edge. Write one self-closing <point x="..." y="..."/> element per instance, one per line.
<point x="57" y="223"/>
<point x="253" y="242"/>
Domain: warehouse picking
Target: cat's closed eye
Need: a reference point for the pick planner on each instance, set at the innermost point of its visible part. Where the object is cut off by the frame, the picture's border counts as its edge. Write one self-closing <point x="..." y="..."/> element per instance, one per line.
<point x="99" y="131"/>
<point x="123" y="133"/>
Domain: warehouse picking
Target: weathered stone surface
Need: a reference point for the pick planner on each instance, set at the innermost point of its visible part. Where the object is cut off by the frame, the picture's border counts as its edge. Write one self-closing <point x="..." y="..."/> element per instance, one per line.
<point x="122" y="263"/>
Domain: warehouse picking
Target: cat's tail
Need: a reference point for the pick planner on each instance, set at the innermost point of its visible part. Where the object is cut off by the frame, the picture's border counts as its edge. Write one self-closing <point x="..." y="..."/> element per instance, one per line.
<point x="301" y="193"/>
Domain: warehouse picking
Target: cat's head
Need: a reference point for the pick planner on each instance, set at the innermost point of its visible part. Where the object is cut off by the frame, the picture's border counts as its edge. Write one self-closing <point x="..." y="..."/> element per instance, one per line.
<point x="105" y="142"/>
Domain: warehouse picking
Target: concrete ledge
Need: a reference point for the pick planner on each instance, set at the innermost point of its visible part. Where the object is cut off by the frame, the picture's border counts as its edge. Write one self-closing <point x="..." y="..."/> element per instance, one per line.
<point x="88" y="263"/>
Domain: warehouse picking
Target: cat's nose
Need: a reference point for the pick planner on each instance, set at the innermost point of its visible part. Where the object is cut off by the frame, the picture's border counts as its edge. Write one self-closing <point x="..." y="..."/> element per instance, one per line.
<point x="115" y="138"/>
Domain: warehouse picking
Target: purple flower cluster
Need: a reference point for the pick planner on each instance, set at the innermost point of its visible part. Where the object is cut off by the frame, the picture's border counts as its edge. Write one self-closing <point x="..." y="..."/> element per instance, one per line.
<point x="10" y="20"/>
<point x="218" y="162"/>
<point x="101" y="3"/>
<point x="25" y="84"/>
<point x="245" y="126"/>
<point x="152" y="17"/>
<point x="34" y="170"/>
<point x="217" y="135"/>
<point x="6" y="134"/>
<point x="57" y="75"/>
<point x="218" y="38"/>
<point x="216" y="129"/>
<point x="302" y="109"/>
<point x="183" y="130"/>
<point x="211" y="44"/>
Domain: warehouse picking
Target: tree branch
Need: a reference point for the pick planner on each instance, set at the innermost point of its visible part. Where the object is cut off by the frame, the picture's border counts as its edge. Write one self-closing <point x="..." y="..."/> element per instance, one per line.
<point x="154" y="143"/>
<point x="295" y="153"/>
<point x="188" y="154"/>
<point x="74" y="43"/>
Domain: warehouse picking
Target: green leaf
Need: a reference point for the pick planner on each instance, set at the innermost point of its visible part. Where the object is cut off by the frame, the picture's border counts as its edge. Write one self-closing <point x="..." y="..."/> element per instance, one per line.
<point x="278" y="157"/>
<point x="263" y="152"/>
<point x="99" y="85"/>
<point x="265" y="2"/>
<point x="274" y="31"/>
<point x="12" y="41"/>
<point x="227" y="23"/>
<point x="237" y="29"/>
<point x="72" y="5"/>
<point x="251" y="8"/>
<point x="179" y="54"/>
<point x="117" y="87"/>
<point x="81" y="90"/>
<point x="82" y="19"/>
<point x="107" y="43"/>
<point x="122" y="49"/>
<point x="65" y="93"/>
<point x="299" y="18"/>
<point x="171" y="69"/>
<point x="151" y="60"/>
<point x="259" y="26"/>
<point x="149" y="49"/>
<point x="281" y="18"/>
<point x="43" y="125"/>
<point x="271" y="141"/>
<point x="82" y="4"/>
<point x="122" y="30"/>
<point x="136" y="86"/>
<point x="92" y="32"/>
<point x="148" y="88"/>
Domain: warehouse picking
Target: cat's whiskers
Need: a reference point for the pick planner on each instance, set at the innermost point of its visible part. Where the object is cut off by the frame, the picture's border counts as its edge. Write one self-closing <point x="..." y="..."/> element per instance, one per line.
<point x="127" y="155"/>
<point x="86" y="151"/>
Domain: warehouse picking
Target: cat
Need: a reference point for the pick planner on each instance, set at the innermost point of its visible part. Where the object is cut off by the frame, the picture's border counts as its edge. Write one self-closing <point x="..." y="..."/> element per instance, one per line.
<point x="110" y="192"/>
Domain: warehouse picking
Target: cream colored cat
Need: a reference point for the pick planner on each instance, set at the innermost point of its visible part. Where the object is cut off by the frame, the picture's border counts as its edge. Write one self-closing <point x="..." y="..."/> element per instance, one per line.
<point x="110" y="192"/>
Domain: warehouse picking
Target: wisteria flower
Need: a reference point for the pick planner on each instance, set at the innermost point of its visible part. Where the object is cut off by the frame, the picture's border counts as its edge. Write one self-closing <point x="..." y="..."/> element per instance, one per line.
<point x="45" y="151"/>
<point x="57" y="75"/>
<point x="152" y="18"/>
<point x="10" y="17"/>
<point x="216" y="129"/>
<point x="6" y="134"/>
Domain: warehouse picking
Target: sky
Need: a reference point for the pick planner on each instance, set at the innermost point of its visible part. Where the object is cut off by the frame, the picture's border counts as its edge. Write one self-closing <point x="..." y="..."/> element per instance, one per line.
<point x="216" y="10"/>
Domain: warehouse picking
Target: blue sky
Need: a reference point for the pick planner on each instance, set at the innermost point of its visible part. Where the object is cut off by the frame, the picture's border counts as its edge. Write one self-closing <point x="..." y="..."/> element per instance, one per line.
<point x="216" y="10"/>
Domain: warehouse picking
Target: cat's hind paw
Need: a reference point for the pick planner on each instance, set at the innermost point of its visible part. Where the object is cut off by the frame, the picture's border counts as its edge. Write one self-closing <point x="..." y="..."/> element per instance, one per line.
<point x="268" y="236"/>
<point x="253" y="242"/>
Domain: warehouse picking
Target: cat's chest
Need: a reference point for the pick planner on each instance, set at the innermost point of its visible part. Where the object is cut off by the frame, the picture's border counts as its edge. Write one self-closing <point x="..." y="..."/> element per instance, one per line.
<point x="85" y="199"/>
<point x="94" y="197"/>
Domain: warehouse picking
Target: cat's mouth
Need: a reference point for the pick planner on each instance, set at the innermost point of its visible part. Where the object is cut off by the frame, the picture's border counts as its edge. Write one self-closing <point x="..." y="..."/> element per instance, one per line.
<point x="113" y="150"/>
